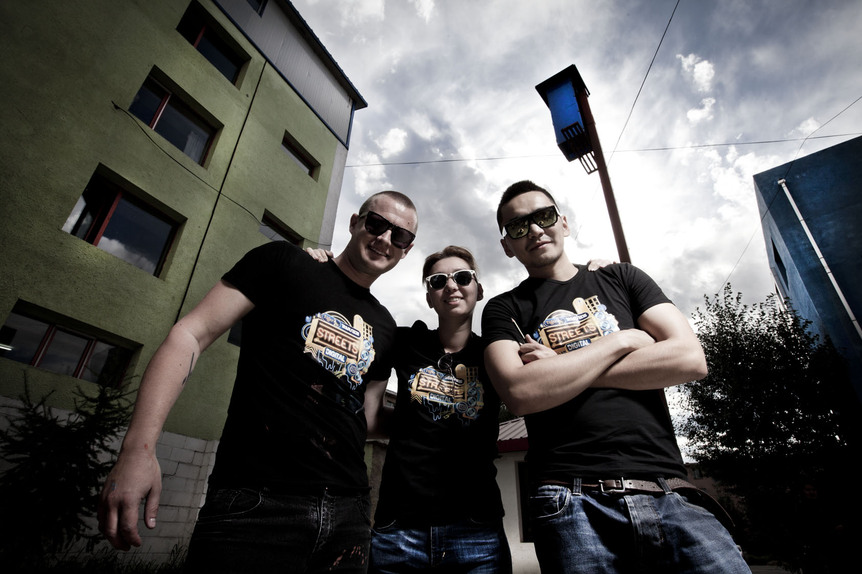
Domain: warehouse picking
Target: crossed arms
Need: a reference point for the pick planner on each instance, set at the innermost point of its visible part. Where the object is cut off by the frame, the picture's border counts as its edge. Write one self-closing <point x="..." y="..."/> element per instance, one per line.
<point x="663" y="352"/>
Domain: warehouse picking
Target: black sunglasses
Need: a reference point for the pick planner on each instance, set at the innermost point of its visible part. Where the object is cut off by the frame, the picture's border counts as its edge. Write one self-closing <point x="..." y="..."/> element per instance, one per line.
<point x="520" y="226"/>
<point x="438" y="280"/>
<point x="377" y="225"/>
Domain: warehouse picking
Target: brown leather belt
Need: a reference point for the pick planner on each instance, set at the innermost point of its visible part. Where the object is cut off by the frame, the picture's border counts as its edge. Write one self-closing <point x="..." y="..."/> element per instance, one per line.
<point x="623" y="485"/>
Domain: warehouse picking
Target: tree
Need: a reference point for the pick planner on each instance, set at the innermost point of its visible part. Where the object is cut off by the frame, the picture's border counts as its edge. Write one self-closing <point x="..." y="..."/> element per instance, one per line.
<point x="766" y="419"/>
<point x="57" y="468"/>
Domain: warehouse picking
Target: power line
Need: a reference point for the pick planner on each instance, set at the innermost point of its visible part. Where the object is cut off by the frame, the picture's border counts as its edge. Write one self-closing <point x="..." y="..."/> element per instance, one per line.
<point x="637" y="150"/>
<point x="637" y="96"/>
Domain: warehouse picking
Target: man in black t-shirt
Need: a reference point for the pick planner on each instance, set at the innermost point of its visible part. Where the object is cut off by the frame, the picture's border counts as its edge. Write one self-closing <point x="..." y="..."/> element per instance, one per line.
<point x="289" y="490"/>
<point x="585" y="357"/>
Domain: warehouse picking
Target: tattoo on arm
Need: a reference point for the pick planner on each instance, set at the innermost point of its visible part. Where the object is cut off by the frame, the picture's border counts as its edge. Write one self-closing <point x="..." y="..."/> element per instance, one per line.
<point x="191" y="366"/>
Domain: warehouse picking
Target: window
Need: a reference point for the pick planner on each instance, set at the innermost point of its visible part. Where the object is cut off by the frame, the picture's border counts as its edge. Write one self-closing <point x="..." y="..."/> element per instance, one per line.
<point x="174" y="120"/>
<point x="275" y="230"/>
<point x="257" y="5"/>
<point x="119" y="223"/>
<point x="301" y="157"/>
<point x="779" y="263"/>
<point x="62" y="350"/>
<point x="202" y="32"/>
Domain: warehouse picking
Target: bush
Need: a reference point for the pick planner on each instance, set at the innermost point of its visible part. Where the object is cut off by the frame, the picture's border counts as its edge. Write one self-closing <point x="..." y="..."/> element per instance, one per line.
<point x="57" y="470"/>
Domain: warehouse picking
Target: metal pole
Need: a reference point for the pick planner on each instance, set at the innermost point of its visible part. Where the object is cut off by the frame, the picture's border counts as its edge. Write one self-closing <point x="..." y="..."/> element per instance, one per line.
<point x="838" y="291"/>
<point x="616" y="225"/>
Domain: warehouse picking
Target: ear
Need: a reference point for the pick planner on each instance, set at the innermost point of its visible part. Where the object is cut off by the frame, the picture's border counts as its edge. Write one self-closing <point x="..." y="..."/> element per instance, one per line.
<point x="481" y="293"/>
<point x="506" y="249"/>
<point x="353" y="219"/>
<point x="428" y="299"/>
<point x="565" y="226"/>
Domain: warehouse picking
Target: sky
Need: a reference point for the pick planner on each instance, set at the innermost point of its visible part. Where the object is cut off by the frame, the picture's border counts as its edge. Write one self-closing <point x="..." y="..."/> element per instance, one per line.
<point x="681" y="93"/>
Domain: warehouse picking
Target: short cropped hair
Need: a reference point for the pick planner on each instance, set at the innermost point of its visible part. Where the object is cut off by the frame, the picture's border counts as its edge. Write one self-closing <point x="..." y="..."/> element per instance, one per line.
<point x="516" y="189"/>
<point x="449" y="251"/>
<point x="396" y="195"/>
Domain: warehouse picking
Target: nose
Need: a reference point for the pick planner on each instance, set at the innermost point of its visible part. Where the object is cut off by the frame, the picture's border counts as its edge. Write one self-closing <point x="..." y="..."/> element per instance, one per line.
<point x="534" y="230"/>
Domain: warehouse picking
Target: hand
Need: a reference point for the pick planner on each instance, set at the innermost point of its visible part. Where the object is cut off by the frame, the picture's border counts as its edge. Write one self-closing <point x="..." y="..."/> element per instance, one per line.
<point x="319" y="255"/>
<point x="137" y="476"/>
<point x="532" y="351"/>
<point x="594" y="264"/>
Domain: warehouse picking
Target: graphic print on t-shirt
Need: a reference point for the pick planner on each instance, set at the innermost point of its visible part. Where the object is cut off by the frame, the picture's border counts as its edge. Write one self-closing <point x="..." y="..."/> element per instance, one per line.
<point x="346" y="350"/>
<point x="565" y="331"/>
<point x="459" y="393"/>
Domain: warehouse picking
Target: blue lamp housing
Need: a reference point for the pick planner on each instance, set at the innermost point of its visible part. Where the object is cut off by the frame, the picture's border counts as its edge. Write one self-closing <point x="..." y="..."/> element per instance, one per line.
<point x="560" y="94"/>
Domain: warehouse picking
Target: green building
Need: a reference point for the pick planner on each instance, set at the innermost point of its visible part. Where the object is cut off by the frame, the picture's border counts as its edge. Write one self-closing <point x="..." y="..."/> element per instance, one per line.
<point x="147" y="146"/>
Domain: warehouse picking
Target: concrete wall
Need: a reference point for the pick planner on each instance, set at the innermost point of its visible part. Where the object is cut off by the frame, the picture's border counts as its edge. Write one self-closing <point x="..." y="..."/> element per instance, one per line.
<point x="69" y="74"/>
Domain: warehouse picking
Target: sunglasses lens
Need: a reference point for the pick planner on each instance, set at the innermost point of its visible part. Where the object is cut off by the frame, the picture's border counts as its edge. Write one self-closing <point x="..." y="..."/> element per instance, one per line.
<point x="463" y="278"/>
<point x="438" y="281"/>
<point x="401" y="238"/>
<point x="546" y="217"/>
<point x="377" y="225"/>
<point x="517" y="228"/>
<point x="374" y="224"/>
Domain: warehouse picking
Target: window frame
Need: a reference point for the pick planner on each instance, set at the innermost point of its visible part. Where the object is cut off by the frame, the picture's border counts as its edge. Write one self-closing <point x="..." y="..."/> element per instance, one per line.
<point x="300" y="156"/>
<point x="179" y="103"/>
<point x="91" y="342"/>
<point x="196" y="17"/>
<point x="110" y="194"/>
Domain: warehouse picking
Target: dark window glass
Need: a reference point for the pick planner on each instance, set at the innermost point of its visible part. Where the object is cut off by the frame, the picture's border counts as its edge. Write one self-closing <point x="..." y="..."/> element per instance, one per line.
<point x="202" y="32"/>
<point x="60" y="350"/>
<point x="299" y="156"/>
<point x="63" y="353"/>
<point x="21" y="337"/>
<point x="257" y="5"/>
<point x="165" y="113"/>
<point x="274" y="231"/>
<point x="123" y="226"/>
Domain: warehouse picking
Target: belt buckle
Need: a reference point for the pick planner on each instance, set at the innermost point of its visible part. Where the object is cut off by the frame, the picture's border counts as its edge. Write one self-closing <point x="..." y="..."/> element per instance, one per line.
<point x="615" y="485"/>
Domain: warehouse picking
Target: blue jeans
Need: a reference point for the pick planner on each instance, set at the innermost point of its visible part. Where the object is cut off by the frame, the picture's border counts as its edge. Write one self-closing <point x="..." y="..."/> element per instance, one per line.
<point x="601" y="533"/>
<point x="455" y="548"/>
<point x="246" y="530"/>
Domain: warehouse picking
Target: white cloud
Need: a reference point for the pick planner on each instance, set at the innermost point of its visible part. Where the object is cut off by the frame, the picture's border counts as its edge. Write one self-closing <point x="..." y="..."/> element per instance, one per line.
<point x="699" y="71"/>
<point x="424" y="8"/>
<point x="392" y="142"/>
<point x="805" y="129"/>
<point x="704" y="112"/>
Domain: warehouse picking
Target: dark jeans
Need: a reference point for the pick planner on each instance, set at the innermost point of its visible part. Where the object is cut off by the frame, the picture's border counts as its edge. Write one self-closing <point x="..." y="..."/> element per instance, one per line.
<point x="590" y="532"/>
<point x="457" y="548"/>
<point x="245" y="530"/>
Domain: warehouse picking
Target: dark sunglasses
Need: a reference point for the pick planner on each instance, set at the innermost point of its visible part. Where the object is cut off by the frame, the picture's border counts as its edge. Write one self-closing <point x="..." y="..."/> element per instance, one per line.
<point x="377" y="225"/>
<point x="438" y="280"/>
<point x="520" y="226"/>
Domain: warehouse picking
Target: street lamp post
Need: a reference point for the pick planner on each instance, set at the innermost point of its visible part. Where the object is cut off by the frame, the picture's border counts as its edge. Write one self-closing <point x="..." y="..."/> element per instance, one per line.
<point x="566" y="95"/>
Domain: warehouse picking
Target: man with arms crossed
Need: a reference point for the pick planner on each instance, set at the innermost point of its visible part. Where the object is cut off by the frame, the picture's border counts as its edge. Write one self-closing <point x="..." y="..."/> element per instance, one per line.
<point x="289" y="490"/>
<point x="607" y="477"/>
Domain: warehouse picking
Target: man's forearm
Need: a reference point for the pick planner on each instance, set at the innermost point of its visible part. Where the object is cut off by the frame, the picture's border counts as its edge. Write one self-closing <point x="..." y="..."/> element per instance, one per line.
<point x="161" y="385"/>
<point x="664" y="364"/>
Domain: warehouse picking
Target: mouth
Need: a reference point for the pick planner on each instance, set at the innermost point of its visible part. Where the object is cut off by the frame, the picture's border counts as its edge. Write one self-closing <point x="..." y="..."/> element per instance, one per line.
<point x="538" y="245"/>
<point x="377" y="252"/>
<point x="452" y="300"/>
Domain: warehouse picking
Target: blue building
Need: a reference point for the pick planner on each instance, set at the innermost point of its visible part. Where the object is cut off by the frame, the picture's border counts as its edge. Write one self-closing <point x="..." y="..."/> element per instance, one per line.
<point x="811" y="211"/>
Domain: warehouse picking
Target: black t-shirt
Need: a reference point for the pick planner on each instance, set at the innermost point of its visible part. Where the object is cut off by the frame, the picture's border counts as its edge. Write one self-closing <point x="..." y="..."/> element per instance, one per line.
<point x="440" y="462"/>
<point x="601" y="433"/>
<point x="309" y="346"/>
